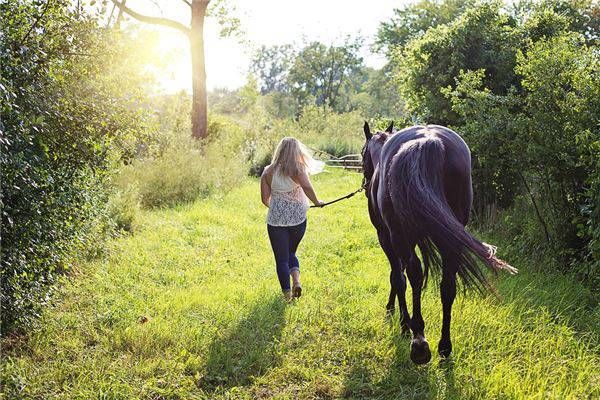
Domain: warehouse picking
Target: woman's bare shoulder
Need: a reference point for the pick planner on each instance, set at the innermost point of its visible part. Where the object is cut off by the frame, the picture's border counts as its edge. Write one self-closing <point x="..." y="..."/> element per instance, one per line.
<point x="267" y="172"/>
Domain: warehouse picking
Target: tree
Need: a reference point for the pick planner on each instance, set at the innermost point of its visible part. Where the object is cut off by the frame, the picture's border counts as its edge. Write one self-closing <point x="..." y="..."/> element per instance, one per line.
<point x="413" y="20"/>
<point x="480" y="38"/>
<point x="378" y="96"/>
<point x="519" y="82"/>
<point x="59" y="133"/>
<point x="271" y="66"/>
<point x="195" y="34"/>
<point x="320" y="72"/>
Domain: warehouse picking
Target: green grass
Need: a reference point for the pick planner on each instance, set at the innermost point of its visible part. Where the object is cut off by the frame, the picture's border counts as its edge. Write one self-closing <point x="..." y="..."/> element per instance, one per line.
<point x="217" y="327"/>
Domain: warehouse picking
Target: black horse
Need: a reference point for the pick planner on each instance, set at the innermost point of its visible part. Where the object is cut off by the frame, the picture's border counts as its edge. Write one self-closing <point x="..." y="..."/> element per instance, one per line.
<point x="418" y="185"/>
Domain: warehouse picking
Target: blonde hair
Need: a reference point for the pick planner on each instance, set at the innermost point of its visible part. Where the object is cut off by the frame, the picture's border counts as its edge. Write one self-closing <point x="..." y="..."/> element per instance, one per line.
<point x="292" y="158"/>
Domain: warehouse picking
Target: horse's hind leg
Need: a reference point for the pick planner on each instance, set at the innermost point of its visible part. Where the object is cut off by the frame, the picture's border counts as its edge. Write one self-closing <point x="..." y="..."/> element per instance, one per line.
<point x="448" y="293"/>
<point x="397" y="282"/>
<point x="391" y="304"/>
<point x="419" y="348"/>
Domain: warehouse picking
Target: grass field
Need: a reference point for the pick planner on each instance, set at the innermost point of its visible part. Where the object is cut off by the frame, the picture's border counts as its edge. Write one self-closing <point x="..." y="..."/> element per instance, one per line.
<point x="203" y="277"/>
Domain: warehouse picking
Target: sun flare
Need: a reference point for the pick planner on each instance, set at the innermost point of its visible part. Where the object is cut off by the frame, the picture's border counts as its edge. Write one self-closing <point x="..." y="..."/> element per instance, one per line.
<point x="226" y="61"/>
<point x="173" y="72"/>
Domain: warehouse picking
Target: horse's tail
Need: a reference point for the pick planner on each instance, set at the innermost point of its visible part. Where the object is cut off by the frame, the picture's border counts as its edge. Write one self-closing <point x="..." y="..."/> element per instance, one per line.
<point x="417" y="191"/>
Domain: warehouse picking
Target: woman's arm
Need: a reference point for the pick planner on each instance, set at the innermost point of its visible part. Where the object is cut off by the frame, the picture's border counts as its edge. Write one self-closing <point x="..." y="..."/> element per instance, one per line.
<point x="304" y="181"/>
<point x="265" y="187"/>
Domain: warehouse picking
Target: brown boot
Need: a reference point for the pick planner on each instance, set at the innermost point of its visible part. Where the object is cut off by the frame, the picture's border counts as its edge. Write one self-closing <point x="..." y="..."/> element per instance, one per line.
<point x="287" y="295"/>
<point x="297" y="290"/>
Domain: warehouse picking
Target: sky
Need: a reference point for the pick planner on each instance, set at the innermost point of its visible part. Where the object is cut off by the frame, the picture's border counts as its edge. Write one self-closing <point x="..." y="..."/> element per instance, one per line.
<point x="264" y="22"/>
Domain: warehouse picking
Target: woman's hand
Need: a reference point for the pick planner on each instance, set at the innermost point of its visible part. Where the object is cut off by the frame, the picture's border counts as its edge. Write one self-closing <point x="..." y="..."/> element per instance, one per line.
<point x="319" y="204"/>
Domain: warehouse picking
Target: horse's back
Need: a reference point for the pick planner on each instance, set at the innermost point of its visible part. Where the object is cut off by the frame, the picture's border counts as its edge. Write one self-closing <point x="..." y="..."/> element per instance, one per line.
<point x="456" y="148"/>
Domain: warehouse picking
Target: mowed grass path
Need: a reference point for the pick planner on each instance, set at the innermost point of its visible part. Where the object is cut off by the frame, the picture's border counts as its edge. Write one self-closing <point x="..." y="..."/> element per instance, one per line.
<point x="203" y="276"/>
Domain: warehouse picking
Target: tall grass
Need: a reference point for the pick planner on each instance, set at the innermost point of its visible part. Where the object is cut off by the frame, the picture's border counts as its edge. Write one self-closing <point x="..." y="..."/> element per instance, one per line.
<point x="178" y="169"/>
<point x="336" y="134"/>
<point x="182" y="173"/>
<point x="189" y="308"/>
<point x="317" y="127"/>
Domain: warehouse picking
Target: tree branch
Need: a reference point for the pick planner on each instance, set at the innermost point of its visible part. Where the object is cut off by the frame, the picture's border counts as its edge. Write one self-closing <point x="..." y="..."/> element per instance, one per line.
<point x="110" y="16"/>
<point x="153" y="20"/>
<point x="535" y="206"/>
<point x="35" y="23"/>
<point x="189" y="3"/>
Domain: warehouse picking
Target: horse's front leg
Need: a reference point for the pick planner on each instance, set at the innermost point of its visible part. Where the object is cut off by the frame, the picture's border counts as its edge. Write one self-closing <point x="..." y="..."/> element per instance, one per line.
<point x="419" y="348"/>
<point x="448" y="293"/>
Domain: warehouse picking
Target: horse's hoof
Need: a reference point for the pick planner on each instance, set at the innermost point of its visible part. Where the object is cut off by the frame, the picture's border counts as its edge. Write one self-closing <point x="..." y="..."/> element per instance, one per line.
<point x="419" y="351"/>
<point x="444" y="349"/>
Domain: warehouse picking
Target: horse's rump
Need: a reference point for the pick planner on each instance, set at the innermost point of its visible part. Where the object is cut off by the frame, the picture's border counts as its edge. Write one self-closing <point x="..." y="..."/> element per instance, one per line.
<point x="416" y="186"/>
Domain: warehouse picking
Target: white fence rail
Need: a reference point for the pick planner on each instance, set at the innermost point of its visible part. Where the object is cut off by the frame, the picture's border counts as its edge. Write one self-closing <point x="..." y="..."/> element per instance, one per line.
<point x="350" y="161"/>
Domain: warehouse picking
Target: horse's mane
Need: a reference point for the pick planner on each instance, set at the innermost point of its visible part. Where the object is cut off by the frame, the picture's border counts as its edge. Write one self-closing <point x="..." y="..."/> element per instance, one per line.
<point x="367" y="164"/>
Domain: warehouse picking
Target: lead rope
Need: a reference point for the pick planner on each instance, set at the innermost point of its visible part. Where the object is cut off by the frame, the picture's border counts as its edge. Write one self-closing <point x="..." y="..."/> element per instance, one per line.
<point x="360" y="189"/>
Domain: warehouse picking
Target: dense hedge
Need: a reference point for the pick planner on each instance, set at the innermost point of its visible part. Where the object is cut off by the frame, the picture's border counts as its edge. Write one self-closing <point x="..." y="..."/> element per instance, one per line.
<point x="57" y="126"/>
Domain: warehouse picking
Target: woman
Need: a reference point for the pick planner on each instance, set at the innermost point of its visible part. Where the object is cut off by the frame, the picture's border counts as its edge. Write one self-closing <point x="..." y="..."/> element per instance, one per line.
<point x="284" y="187"/>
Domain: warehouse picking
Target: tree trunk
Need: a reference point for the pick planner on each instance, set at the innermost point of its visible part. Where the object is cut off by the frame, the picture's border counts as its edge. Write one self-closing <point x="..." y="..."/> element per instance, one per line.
<point x="199" y="101"/>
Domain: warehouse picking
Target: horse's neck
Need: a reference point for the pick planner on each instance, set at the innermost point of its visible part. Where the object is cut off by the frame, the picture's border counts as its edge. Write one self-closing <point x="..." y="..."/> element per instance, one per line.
<point x="376" y="157"/>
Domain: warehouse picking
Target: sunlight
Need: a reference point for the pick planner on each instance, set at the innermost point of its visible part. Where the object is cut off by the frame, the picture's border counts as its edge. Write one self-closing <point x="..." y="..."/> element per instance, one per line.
<point x="175" y="73"/>
<point x="226" y="61"/>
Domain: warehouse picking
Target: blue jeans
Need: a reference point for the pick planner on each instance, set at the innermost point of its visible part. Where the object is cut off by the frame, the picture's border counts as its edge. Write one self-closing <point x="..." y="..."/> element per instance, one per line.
<point x="284" y="242"/>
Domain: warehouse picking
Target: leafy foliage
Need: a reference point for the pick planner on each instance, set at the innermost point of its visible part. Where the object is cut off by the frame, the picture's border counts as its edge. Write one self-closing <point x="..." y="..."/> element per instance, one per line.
<point x="272" y="65"/>
<point x="333" y="77"/>
<point x="378" y="96"/>
<point x="414" y="19"/>
<point x="57" y="127"/>
<point x="184" y="169"/>
<point x="322" y="73"/>
<point x="481" y="38"/>
<point x="522" y="86"/>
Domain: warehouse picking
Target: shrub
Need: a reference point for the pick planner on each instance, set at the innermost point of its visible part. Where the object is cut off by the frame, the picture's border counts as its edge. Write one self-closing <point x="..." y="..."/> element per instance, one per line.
<point x="539" y="144"/>
<point x="56" y="132"/>
<point x="259" y="162"/>
<point x="123" y="208"/>
<point x="320" y="128"/>
<point x="185" y="168"/>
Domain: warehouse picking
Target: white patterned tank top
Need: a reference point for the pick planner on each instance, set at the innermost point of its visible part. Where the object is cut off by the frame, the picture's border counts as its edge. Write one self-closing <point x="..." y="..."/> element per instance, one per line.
<point x="288" y="204"/>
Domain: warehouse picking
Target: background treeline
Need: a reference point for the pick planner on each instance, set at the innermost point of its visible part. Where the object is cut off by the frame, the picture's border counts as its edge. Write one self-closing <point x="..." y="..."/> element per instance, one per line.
<point x="88" y="145"/>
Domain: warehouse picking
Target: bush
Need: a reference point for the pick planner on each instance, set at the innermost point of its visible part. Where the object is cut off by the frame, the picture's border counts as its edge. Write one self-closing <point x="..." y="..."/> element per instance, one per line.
<point x="522" y="88"/>
<point x="123" y="208"/>
<point x="56" y="135"/>
<point x="260" y="162"/>
<point x="337" y="148"/>
<point x="321" y="128"/>
<point x="318" y="128"/>
<point x="185" y="168"/>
